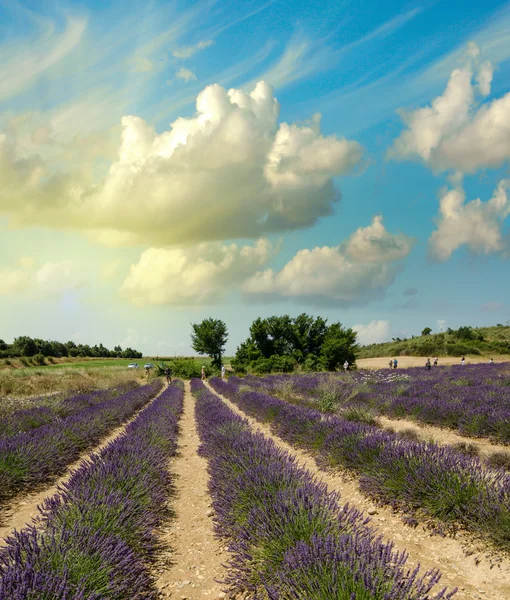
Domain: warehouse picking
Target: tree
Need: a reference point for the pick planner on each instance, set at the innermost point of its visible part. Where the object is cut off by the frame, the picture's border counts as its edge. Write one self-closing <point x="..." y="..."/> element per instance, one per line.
<point x="209" y="337"/>
<point x="279" y="343"/>
<point x="426" y="331"/>
<point x="339" y="346"/>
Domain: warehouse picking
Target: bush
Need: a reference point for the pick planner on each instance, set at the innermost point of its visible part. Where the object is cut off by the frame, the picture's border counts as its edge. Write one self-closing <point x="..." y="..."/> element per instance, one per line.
<point x="184" y="368"/>
<point x="38" y="360"/>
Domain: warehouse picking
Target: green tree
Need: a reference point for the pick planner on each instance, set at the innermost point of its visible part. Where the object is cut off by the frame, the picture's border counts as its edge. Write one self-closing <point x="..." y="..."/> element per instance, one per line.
<point x="426" y="331"/>
<point x="24" y="346"/>
<point x="339" y="346"/>
<point x="209" y="337"/>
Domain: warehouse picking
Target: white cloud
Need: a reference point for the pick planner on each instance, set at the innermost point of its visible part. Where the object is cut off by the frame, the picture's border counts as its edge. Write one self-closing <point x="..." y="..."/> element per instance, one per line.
<point x="21" y="64"/>
<point x="187" y="51"/>
<point x="231" y="170"/>
<point x="455" y="132"/>
<point x="57" y="277"/>
<point x="333" y="276"/>
<point x="441" y="325"/>
<point x="192" y="276"/>
<point x="50" y="279"/>
<point x="13" y="281"/>
<point x="373" y="333"/>
<point x="375" y="244"/>
<point x="186" y="75"/>
<point x="132" y="339"/>
<point x="476" y="224"/>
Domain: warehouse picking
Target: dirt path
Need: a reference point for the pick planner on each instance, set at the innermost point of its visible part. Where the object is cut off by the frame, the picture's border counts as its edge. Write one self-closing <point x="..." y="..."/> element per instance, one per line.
<point x="21" y="511"/>
<point x="463" y="563"/>
<point x="442" y="436"/>
<point x="381" y="362"/>
<point x="196" y="557"/>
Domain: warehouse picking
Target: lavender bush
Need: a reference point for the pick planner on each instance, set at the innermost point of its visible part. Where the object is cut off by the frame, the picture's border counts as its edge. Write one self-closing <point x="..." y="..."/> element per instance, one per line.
<point x="290" y="538"/>
<point x="417" y="476"/>
<point x="56" y="407"/>
<point x="97" y="539"/>
<point x="35" y="457"/>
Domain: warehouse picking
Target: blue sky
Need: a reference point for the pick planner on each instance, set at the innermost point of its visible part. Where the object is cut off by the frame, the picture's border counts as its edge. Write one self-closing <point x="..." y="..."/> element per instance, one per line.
<point x="162" y="162"/>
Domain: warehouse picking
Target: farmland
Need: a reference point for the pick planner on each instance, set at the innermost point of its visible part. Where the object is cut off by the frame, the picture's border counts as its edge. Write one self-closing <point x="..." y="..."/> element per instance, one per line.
<point x="238" y="488"/>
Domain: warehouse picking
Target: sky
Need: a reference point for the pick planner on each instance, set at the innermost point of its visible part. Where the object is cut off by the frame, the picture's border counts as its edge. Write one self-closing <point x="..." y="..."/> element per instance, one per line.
<point x="163" y="162"/>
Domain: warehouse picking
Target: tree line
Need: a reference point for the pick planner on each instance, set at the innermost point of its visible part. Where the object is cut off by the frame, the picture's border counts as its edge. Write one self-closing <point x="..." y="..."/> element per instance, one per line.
<point x="280" y="344"/>
<point x="25" y="346"/>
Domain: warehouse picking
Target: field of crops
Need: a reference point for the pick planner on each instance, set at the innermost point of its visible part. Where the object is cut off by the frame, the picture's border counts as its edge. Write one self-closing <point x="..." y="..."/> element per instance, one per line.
<point x="294" y="484"/>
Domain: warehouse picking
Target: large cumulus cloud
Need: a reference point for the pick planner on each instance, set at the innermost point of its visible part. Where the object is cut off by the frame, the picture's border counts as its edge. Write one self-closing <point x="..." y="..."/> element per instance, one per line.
<point x="229" y="171"/>
<point x="354" y="272"/>
<point x="196" y="275"/>
<point x="477" y="225"/>
<point x="458" y="131"/>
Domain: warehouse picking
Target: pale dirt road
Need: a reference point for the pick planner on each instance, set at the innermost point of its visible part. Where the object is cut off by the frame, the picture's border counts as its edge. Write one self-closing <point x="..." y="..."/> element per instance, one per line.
<point x="194" y="556"/>
<point x="463" y="562"/>
<point x="419" y="361"/>
<point x="443" y="437"/>
<point x="23" y="510"/>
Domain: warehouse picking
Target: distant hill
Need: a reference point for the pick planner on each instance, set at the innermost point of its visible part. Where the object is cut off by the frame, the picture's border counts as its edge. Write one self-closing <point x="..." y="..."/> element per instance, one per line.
<point x="453" y="342"/>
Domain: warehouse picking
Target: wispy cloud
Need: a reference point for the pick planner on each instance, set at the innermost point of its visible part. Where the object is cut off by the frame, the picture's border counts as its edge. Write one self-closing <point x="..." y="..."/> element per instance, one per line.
<point x="19" y="66"/>
<point x="185" y="75"/>
<point x="187" y="51"/>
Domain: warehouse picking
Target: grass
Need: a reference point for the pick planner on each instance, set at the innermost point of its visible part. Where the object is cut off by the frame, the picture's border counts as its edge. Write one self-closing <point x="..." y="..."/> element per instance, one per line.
<point x="11" y="364"/>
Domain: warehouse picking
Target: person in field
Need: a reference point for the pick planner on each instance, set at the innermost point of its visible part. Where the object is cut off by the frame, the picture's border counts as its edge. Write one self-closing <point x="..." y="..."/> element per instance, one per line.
<point x="203" y="375"/>
<point x="391" y="364"/>
<point x="491" y="361"/>
<point x="435" y="361"/>
<point x="427" y="364"/>
<point x="395" y="363"/>
<point x="462" y="361"/>
<point x="346" y="365"/>
<point x="168" y="375"/>
<point x="223" y="372"/>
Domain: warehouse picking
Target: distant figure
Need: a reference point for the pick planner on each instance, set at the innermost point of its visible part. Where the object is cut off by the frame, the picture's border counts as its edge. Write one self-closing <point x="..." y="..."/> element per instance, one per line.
<point x="427" y="364"/>
<point x="490" y="361"/>
<point x="223" y="372"/>
<point x="391" y="364"/>
<point x="168" y="375"/>
<point x="435" y="361"/>
<point x="462" y="361"/>
<point x="147" y="371"/>
<point x="203" y="375"/>
<point x="395" y="363"/>
<point x="346" y="365"/>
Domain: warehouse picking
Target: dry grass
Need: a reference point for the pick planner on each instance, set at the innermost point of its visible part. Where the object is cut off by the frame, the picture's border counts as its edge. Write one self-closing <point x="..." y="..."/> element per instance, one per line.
<point x="30" y="383"/>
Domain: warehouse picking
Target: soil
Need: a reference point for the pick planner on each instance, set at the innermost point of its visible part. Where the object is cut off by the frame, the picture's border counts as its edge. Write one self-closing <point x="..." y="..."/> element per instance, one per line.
<point x="463" y="561"/>
<point x="404" y="362"/>
<point x="23" y="510"/>
<point x="195" y="558"/>
<point x="443" y="437"/>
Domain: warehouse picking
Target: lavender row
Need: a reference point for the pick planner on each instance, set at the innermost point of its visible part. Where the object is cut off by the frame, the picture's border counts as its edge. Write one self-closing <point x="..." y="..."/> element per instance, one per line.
<point x="414" y="476"/>
<point x="98" y="538"/>
<point x="56" y="407"/>
<point x="35" y="457"/>
<point x="290" y="538"/>
<point x="472" y="399"/>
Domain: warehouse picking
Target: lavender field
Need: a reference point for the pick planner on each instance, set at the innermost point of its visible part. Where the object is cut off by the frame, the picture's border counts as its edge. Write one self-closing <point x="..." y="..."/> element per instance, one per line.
<point x="472" y="399"/>
<point x="415" y="477"/>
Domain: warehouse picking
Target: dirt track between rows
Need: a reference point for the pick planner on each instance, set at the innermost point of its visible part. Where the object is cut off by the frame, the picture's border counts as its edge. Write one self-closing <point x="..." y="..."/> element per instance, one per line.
<point x="194" y="556"/>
